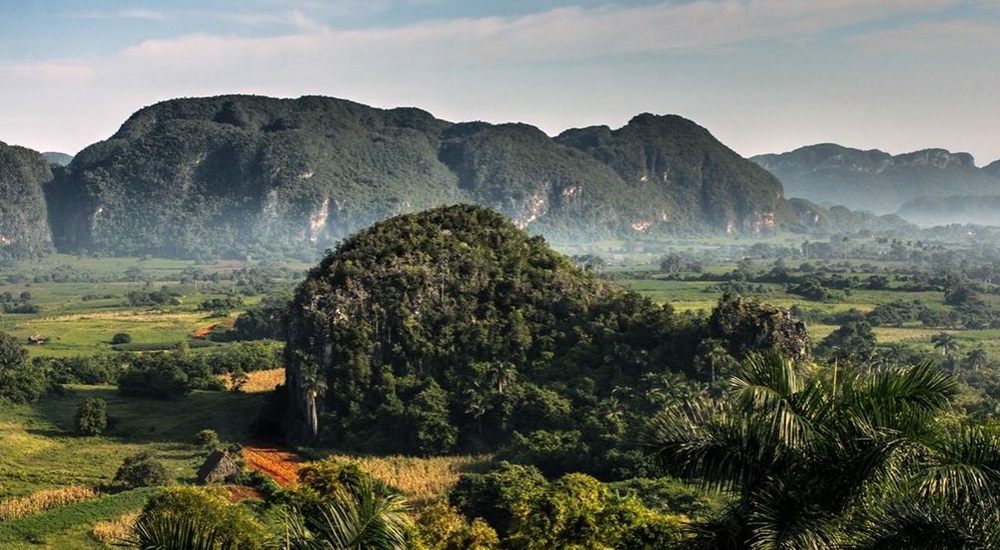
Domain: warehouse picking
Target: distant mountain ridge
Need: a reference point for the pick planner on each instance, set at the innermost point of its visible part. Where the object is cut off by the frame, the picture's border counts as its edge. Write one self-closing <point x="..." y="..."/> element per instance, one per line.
<point x="232" y="176"/>
<point x="875" y="180"/>
<point x="203" y="175"/>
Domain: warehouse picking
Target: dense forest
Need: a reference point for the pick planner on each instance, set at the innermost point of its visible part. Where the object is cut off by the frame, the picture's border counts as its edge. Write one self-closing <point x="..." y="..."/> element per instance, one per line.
<point x="476" y="337"/>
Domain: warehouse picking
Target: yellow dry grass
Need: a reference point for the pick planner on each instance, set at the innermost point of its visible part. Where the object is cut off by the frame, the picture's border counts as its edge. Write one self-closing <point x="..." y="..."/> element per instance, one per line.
<point x="423" y="480"/>
<point x="259" y="381"/>
<point x="114" y="532"/>
<point x="46" y="499"/>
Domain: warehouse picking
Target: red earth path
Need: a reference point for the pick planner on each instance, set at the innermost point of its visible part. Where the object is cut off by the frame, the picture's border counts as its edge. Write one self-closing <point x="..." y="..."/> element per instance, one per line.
<point x="279" y="464"/>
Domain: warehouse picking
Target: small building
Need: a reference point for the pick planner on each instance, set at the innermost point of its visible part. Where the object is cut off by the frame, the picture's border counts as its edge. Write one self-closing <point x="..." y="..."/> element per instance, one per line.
<point x="218" y="468"/>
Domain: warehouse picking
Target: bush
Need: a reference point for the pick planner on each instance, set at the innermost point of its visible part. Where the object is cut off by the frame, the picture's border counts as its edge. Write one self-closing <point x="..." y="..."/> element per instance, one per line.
<point x="207" y="438"/>
<point x="92" y="417"/>
<point x="121" y="338"/>
<point x="141" y="470"/>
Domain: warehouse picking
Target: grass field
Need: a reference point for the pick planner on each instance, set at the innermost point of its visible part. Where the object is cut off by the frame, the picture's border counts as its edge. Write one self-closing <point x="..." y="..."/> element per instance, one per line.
<point x="41" y="451"/>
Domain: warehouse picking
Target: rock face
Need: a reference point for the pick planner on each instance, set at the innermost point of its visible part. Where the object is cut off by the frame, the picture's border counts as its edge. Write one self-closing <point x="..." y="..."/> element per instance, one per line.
<point x="874" y="180"/>
<point x="245" y="174"/>
<point x="24" y="228"/>
<point x="686" y="176"/>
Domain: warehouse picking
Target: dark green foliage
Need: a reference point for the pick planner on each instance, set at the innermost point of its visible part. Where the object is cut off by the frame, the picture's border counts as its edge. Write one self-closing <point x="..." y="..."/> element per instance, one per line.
<point x="92" y="417"/>
<point x="744" y="326"/>
<point x="20" y="381"/>
<point x="685" y="175"/>
<point x="121" y="338"/>
<point x="166" y="375"/>
<point x="191" y="518"/>
<point x="24" y="228"/>
<point x="263" y="321"/>
<point x="208" y="439"/>
<point x="851" y="342"/>
<point x="841" y="458"/>
<point x="141" y="470"/>
<point x="459" y="327"/>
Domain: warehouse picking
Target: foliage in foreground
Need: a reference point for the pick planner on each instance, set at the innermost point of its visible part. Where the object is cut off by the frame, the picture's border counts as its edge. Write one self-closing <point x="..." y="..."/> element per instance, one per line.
<point x="836" y="459"/>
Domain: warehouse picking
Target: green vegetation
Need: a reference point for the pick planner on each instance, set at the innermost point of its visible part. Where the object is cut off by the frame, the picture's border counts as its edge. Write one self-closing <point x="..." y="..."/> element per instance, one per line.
<point x="246" y="176"/>
<point x="464" y="334"/>
<point x="473" y="337"/>
<point x="92" y="417"/>
<point x="24" y="228"/>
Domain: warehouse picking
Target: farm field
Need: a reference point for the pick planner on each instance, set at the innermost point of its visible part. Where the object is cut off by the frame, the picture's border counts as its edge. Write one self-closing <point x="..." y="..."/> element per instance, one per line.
<point x="40" y="452"/>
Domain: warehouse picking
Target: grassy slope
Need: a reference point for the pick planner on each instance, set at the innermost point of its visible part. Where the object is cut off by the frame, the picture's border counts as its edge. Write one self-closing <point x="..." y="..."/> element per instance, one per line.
<point x="41" y="451"/>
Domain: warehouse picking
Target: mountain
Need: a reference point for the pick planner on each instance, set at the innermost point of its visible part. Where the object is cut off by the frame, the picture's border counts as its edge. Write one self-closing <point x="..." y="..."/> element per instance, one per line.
<point x="248" y="174"/>
<point x="24" y="229"/>
<point x="686" y="176"/>
<point x="59" y="159"/>
<point x="875" y="180"/>
<point x="968" y="209"/>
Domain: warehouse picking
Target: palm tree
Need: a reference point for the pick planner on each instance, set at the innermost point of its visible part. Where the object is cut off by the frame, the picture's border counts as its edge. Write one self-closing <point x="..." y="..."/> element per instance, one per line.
<point x="819" y="461"/>
<point x="945" y="342"/>
<point x="368" y="518"/>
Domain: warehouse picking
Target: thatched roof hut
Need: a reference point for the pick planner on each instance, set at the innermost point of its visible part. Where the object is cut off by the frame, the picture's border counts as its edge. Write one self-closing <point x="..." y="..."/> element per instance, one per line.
<point x="218" y="468"/>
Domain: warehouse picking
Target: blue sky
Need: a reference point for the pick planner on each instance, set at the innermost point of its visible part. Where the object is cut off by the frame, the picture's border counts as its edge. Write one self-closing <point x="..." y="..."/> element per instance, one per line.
<point x="761" y="75"/>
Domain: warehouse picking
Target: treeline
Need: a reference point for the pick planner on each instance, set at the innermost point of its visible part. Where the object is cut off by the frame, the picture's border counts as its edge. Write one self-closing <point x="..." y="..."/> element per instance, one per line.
<point x="150" y="374"/>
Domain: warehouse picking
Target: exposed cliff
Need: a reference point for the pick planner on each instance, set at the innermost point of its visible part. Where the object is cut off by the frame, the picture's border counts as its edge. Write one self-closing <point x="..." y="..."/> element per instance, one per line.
<point x="244" y="174"/>
<point x="24" y="229"/>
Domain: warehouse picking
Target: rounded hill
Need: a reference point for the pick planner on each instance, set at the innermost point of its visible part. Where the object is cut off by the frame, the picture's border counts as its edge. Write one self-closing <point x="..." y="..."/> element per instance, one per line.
<point x="451" y="329"/>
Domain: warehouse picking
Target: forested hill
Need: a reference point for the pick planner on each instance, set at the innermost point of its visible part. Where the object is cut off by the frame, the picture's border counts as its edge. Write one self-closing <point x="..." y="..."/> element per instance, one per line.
<point x="875" y="180"/>
<point x="24" y="229"/>
<point x="215" y="175"/>
<point x="461" y="331"/>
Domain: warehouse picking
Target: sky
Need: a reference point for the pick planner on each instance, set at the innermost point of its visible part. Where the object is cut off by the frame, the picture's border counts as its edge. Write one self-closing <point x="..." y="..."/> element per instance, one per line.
<point x="763" y="76"/>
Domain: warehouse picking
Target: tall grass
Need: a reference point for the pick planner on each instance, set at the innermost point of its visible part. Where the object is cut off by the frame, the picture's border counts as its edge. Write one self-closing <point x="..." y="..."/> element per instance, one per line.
<point x="423" y="480"/>
<point x="45" y="499"/>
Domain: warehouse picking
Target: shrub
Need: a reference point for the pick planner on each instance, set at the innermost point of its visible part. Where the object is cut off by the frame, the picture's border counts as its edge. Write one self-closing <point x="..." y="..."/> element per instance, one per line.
<point x="121" y="338"/>
<point x="92" y="417"/>
<point x="207" y="438"/>
<point x="141" y="470"/>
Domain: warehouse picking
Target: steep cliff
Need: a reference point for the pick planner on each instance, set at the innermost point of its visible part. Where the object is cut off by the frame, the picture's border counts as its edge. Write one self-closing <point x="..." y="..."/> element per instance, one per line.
<point x="24" y="229"/>
<point x="246" y="174"/>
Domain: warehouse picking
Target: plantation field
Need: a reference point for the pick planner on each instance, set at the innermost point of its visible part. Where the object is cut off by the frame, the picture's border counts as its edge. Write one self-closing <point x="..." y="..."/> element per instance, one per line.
<point x="41" y="451"/>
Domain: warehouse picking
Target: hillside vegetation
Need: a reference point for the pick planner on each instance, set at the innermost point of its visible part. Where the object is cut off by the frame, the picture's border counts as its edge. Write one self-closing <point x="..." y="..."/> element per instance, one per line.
<point x="237" y="175"/>
<point x="462" y="332"/>
<point x="24" y="230"/>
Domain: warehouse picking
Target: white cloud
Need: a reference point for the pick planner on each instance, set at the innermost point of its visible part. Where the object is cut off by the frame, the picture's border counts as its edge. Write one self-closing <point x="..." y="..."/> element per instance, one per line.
<point x="934" y="35"/>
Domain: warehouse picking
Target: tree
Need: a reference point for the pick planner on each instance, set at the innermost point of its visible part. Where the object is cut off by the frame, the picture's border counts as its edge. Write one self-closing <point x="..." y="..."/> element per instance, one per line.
<point x="192" y="518"/>
<point x="209" y="439"/>
<point x="368" y="518"/>
<point x="945" y="342"/>
<point x="836" y="458"/>
<point x="92" y="417"/>
<point x="141" y="470"/>
<point x="19" y="382"/>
